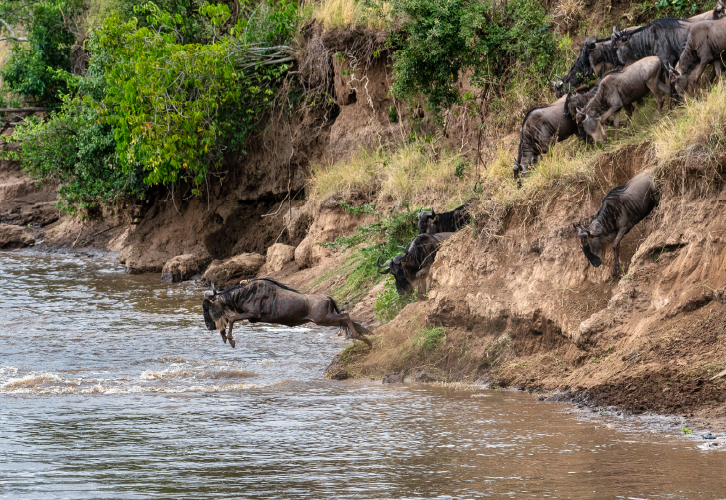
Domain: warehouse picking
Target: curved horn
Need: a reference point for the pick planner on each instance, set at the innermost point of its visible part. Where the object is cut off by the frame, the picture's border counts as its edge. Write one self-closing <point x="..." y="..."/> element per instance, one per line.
<point x="378" y="263"/>
<point x="558" y="76"/>
<point x="420" y="210"/>
<point x="402" y="248"/>
<point x="579" y="110"/>
<point x="432" y="211"/>
<point x="214" y="290"/>
<point x="475" y="183"/>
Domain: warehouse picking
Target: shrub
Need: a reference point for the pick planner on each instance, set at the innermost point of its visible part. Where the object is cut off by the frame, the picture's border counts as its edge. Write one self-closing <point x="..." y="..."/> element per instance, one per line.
<point x="440" y="40"/>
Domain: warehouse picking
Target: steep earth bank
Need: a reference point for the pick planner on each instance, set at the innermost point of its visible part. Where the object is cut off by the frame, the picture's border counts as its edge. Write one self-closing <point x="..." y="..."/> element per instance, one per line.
<point x="522" y="307"/>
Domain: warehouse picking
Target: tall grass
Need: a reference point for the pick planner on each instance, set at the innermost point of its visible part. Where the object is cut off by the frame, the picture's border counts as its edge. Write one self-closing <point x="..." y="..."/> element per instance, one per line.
<point x="415" y="172"/>
<point x="696" y="131"/>
<point x="350" y="14"/>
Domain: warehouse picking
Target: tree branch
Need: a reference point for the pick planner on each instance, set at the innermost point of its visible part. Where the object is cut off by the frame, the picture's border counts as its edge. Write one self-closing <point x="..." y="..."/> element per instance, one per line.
<point x="12" y="33"/>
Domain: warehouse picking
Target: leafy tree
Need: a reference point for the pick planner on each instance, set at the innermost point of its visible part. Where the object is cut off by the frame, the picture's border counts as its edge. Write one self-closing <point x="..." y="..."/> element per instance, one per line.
<point x="31" y="70"/>
<point x="441" y="38"/>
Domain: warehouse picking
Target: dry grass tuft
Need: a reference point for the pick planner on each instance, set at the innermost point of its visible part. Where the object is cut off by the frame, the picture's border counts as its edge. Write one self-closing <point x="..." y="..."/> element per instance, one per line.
<point x="690" y="144"/>
<point x="350" y="14"/>
<point x="415" y="172"/>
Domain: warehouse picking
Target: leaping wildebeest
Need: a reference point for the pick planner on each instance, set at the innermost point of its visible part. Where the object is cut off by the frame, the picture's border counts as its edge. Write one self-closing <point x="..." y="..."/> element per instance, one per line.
<point x="444" y="222"/>
<point x="618" y="89"/>
<point x="541" y="127"/>
<point x="265" y="300"/>
<point x="706" y="42"/>
<point x="621" y="210"/>
<point x="413" y="265"/>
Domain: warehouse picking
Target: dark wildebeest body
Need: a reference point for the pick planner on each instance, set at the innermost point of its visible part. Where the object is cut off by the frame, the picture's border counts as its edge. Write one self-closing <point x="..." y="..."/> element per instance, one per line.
<point x="413" y="265"/>
<point x="267" y="301"/>
<point x="706" y="42"/>
<point x="664" y="38"/>
<point x="621" y="210"/>
<point x="446" y="222"/>
<point x="540" y="128"/>
<point x="597" y="57"/>
<point x="619" y="89"/>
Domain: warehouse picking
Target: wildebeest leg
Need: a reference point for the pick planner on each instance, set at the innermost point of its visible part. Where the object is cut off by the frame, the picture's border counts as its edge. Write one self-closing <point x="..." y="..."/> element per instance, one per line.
<point x="616" y="252"/>
<point x="223" y="333"/>
<point x="628" y="110"/>
<point x="339" y="319"/>
<point x="239" y="317"/>
<point x="658" y="89"/>
<point x="616" y="123"/>
<point x="422" y="276"/>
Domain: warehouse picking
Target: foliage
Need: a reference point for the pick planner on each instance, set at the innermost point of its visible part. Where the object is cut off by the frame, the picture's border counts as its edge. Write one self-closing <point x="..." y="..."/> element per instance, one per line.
<point x="175" y="108"/>
<point x="389" y="303"/>
<point x="440" y="39"/>
<point x="32" y="68"/>
<point x="170" y="110"/>
<point x="383" y="239"/>
<point x="429" y="338"/>
<point x="677" y="8"/>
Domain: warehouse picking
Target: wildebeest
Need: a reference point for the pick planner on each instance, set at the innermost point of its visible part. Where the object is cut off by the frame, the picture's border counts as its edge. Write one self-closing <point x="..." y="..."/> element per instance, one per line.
<point x="706" y="42"/>
<point x="446" y="222"/>
<point x="597" y="57"/>
<point x="618" y="89"/>
<point x="716" y="13"/>
<point x="412" y="266"/>
<point x="664" y="38"/>
<point x="265" y="300"/>
<point x="579" y="98"/>
<point x="621" y="210"/>
<point x="541" y="127"/>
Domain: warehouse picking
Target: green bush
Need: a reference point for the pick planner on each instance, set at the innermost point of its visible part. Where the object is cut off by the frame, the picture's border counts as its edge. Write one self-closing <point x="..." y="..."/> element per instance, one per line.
<point x="32" y="70"/>
<point x="440" y="39"/>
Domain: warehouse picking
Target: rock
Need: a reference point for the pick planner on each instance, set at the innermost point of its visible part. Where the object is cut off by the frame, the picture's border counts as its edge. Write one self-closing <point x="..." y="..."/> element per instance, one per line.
<point x="708" y="436"/>
<point x="180" y="268"/>
<point x="232" y="270"/>
<point x="394" y="378"/>
<point x="336" y="372"/>
<point x="14" y="237"/>
<point x="423" y="376"/>
<point x="278" y="255"/>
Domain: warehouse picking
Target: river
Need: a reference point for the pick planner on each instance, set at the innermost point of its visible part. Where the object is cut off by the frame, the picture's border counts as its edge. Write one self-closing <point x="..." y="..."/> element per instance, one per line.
<point x="110" y="387"/>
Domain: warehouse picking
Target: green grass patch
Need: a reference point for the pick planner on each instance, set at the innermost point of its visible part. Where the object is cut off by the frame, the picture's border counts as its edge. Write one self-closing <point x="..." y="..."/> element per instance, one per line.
<point x="429" y="338"/>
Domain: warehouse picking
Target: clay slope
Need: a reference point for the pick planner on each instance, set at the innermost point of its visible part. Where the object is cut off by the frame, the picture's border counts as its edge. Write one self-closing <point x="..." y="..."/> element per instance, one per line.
<point x="524" y="308"/>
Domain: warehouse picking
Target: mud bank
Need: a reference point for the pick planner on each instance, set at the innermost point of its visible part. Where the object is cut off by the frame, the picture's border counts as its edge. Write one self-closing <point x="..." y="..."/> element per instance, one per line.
<point x="523" y="308"/>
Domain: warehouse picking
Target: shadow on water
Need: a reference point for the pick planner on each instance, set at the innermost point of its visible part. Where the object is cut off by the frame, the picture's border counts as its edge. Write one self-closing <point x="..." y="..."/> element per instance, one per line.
<point x="110" y="387"/>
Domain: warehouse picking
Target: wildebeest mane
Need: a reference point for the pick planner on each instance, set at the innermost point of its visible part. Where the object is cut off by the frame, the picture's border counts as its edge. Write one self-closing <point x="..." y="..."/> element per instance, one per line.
<point x="521" y="132"/>
<point x="667" y="22"/>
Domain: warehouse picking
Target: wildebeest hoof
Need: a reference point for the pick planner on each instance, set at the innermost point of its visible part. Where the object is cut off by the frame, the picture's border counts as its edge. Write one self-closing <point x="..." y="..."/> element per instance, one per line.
<point x="232" y="343"/>
<point x="224" y="337"/>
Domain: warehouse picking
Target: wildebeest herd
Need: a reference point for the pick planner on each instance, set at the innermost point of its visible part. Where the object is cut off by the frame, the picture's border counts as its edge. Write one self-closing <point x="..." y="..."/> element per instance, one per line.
<point x="665" y="57"/>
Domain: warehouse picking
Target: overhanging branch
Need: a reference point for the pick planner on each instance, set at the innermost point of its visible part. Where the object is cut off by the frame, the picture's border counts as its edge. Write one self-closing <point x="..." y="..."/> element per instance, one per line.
<point x="12" y="36"/>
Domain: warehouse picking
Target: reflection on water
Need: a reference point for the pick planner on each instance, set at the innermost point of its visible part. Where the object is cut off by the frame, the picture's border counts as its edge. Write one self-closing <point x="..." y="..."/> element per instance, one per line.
<point x="110" y="387"/>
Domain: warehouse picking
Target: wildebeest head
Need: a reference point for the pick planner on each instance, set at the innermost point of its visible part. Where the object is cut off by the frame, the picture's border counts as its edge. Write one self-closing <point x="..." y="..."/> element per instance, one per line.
<point x="678" y="80"/>
<point x="591" y="245"/>
<point x="213" y="310"/>
<point x="592" y="126"/>
<point x="394" y="266"/>
<point x="427" y="220"/>
<point x="719" y="10"/>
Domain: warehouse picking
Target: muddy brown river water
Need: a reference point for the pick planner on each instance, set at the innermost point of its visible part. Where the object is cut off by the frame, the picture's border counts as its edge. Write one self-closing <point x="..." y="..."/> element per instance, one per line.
<point x="110" y="387"/>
